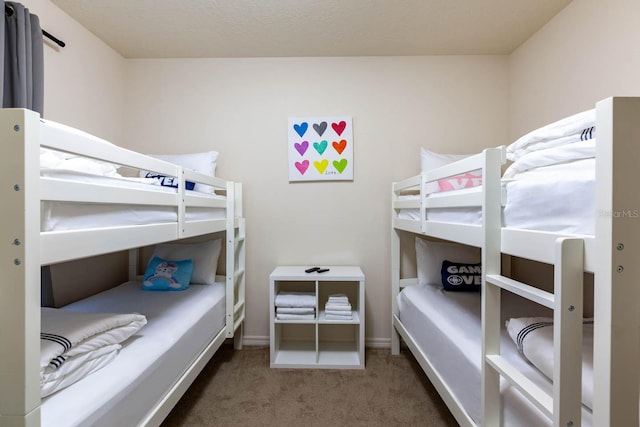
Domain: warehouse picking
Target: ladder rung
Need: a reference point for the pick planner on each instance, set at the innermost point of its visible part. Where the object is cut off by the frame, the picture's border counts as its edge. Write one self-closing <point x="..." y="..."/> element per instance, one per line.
<point x="526" y="291"/>
<point x="239" y="239"/>
<point x="238" y="307"/>
<point x="238" y="273"/>
<point x="527" y="387"/>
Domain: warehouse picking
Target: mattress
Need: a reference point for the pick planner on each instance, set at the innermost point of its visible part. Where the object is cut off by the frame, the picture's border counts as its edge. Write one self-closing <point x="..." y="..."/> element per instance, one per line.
<point x="446" y="326"/>
<point x="59" y="216"/>
<point x="180" y="324"/>
<point x="558" y="198"/>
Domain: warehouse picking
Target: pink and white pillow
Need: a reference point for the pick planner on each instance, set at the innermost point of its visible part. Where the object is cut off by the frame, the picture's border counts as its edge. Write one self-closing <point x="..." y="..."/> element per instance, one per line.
<point x="430" y="160"/>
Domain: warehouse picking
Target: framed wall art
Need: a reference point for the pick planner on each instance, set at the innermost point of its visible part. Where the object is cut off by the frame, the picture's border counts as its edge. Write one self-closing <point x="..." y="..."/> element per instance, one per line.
<point x="320" y="149"/>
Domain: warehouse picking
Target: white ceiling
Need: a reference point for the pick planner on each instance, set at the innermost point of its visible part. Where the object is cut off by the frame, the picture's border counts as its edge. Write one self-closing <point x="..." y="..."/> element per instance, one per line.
<point x="277" y="28"/>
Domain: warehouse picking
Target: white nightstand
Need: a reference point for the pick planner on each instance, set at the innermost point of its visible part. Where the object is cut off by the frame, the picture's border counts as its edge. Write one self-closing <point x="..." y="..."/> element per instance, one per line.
<point x="318" y="342"/>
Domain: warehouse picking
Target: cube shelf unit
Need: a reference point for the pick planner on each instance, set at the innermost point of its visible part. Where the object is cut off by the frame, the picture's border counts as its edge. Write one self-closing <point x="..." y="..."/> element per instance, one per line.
<point x="318" y="342"/>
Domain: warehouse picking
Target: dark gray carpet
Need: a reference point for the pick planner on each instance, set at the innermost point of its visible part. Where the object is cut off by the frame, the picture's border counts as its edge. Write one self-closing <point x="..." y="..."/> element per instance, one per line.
<point x="237" y="388"/>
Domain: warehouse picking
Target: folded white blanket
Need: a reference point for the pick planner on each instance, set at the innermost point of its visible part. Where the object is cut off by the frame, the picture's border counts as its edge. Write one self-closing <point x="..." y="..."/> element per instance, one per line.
<point x="295" y="299"/>
<point x="285" y="316"/>
<point x="74" y="344"/>
<point x="577" y="124"/>
<point x="295" y="310"/>
<point x="551" y="156"/>
<point x="534" y="338"/>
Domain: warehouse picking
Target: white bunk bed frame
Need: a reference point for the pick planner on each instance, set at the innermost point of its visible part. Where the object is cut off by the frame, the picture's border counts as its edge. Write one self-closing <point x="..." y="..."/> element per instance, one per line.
<point x="25" y="249"/>
<point x="611" y="254"/>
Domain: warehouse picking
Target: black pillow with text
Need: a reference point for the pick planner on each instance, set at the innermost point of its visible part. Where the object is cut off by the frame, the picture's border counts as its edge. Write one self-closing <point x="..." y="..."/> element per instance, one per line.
<point x="461" y="276"/>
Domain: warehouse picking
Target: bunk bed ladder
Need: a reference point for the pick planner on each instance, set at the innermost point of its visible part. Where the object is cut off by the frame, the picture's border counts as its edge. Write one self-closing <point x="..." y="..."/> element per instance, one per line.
<point x="235" y="264"/>
<point x="564" y="405"/>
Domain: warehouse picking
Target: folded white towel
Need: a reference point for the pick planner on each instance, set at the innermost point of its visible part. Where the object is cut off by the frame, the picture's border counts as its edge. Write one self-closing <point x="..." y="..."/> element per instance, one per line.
<point x="339" y="313"/>
<point x="338" y="307"/>
<point x="295" y="299"/>
<point x="338" y="298"/>
<point x="284" y="316"/>
<point x="335" y="317"/>
<point x="295" y="310"/>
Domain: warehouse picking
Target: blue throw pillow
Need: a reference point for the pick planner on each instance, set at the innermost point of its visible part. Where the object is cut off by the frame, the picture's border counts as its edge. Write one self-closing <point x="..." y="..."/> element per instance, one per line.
<point x="163" y="275"/>
<point x="169" y="181"/>
<point x="458" y="276"/>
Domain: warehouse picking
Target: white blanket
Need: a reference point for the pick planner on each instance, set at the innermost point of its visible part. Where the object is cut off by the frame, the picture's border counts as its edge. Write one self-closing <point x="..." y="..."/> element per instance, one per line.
<point x="565" y="131"/>
<point x="534" y="338"/>
<point x="74" y="344"/>
<point x="562" y="155"/>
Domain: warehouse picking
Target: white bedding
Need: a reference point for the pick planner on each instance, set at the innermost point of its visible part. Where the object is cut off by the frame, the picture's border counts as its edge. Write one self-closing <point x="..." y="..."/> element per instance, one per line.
<point x="534" y="338"/>
<point x="58" y="216"/>
<point x="180" y="325"/>
<point x="446" y="326"/>
<point x="75" y="344"/>
<point x="558" y="198"/>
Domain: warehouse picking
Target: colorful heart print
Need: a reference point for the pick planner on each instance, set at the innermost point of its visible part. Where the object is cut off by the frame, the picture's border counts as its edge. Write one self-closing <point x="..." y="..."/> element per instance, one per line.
<point x="339" y="146"/>
<point x="320" y="146"/>
<point x="320" y="127"/>
<point x="302" y="166"/>
<point x="302" y="147"/>
<point x="301" y="128"/>
<point x="338" y="127"/>
<point x="321" y="165"/>
<point x="340" y="165"/>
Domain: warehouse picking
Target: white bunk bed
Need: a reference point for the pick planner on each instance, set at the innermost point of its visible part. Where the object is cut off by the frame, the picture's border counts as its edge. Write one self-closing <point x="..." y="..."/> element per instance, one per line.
<point x="508" y="390"/>
<point x="184" y="329"/>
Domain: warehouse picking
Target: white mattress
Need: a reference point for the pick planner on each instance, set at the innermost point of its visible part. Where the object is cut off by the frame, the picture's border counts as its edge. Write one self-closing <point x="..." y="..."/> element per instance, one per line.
<point x="557" y="198"/>
<point x="59" y="216"/>
<point x="446" y="326"/>
<point x="180" y="324"/>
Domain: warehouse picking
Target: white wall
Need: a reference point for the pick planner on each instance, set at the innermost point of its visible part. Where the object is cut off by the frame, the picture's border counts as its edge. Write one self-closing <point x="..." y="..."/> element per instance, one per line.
<point x="588" y="52"/>
<point x="240" y="107"/>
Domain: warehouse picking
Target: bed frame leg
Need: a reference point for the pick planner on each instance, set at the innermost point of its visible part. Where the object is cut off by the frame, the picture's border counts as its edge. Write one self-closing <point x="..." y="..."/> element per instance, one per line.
<point x="237" y="337"/>
<point x="395" y="341"/>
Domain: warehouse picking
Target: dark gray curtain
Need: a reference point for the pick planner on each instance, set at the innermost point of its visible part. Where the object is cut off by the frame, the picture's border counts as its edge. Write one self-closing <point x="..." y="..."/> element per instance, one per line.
<point x="23" y="78"/>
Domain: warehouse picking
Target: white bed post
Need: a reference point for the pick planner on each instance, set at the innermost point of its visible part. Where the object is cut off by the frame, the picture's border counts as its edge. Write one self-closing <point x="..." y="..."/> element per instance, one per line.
<point x="491" y="255"/>
<point x="567" y="331"/>
<point x="230" y="258"/>
<point x="616" y="290"/>
<point x="20" y="268"/>
<point x="395" y="275"/>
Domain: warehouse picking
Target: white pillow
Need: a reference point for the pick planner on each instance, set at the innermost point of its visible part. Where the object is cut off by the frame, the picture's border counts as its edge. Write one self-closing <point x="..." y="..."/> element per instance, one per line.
<point x="204" y="163"/>
<point x="430" y="160"/>
<point x="430" y="255"/>
<point x="204" y="255"/>
<point x="51" y="159"/>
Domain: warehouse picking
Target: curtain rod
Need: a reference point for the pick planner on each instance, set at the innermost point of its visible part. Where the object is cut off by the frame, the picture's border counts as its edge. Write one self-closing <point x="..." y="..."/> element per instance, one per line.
<point x="53" y="38"/>
<point x="8" y="10"/>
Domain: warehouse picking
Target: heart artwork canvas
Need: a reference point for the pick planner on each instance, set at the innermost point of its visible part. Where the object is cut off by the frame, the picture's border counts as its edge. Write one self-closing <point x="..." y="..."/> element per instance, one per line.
<point x="320" y="148"/>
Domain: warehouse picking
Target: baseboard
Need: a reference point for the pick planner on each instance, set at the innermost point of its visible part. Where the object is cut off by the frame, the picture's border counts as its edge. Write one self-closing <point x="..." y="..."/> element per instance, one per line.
<point x="263" y="341"/>
<point x="255" y="341"/>
<point x="377" y="342"/>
